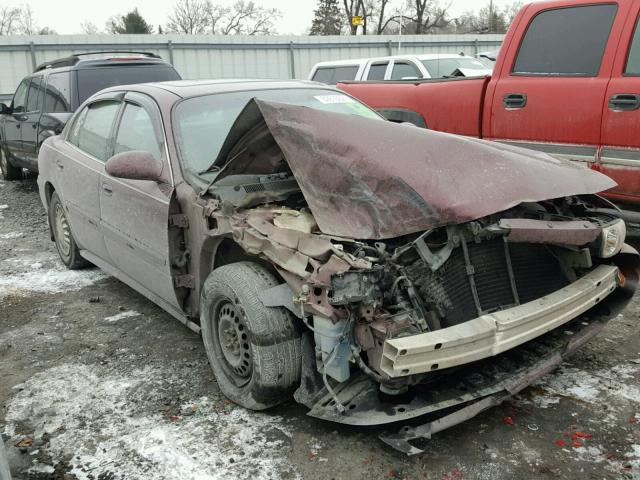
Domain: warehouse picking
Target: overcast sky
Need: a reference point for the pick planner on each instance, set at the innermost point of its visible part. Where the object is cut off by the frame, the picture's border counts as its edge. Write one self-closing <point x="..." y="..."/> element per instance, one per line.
<point x="65" y="16"/>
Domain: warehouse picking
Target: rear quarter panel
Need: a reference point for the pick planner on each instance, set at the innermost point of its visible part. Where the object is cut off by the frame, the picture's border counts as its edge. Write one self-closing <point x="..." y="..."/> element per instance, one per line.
<point x="450" y="105"/>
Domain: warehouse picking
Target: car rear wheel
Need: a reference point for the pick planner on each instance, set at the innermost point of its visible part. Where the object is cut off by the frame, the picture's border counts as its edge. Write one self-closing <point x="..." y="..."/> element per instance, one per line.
<point x="254" y="351"/>
<point x="65" y="243"/>
<point x="9" y="171"/>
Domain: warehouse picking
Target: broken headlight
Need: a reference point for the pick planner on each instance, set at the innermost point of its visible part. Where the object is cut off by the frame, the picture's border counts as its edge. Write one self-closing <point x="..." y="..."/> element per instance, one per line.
<point x="612" y="238"/>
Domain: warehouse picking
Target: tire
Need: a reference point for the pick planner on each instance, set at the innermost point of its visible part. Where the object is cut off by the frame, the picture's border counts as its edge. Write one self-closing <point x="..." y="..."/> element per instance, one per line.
<point x="65" y="243"/>
<point x="8" y="170"/>
<point x="255" y="351"/>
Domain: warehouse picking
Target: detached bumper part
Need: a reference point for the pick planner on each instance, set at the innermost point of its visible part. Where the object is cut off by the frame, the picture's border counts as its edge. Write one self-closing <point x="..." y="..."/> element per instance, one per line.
<point x="497" y="332"/>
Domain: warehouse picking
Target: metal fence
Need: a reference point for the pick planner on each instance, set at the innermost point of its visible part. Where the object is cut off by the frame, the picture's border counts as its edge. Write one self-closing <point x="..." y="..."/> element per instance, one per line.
<point x="215" y="56"/>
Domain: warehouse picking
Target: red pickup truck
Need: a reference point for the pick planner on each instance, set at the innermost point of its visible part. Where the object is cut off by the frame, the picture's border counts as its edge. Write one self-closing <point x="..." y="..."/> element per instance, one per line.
<point x="566" y="82"/>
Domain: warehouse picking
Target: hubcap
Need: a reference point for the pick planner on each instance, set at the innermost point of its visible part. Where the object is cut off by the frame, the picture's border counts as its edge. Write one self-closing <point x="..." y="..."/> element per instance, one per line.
<point x="234" y="340"/>
<point x="63" y="232"/>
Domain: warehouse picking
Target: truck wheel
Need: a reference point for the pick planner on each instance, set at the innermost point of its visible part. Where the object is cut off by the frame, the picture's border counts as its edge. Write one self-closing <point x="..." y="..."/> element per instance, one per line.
<point x="254" y="351"/>
<point x="65" y="243"/>
<point x="9" y="171"/>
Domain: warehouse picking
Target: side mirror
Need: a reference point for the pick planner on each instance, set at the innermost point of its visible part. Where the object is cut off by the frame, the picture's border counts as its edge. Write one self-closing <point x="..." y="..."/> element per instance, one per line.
<point x="4" y="109"/>
<point x="134" y="165"/>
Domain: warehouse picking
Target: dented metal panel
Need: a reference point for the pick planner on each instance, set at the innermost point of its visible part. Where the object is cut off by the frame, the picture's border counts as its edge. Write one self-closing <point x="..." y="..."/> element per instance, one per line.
<point x="369" y="179"/>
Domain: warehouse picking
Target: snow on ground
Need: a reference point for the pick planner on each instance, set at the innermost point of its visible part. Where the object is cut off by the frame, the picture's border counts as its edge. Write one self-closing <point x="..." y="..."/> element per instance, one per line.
<point x="11" y="235"/>
<point x="588" y="386"/>
<point x="122" y="315"/>
<point x="102" y="422"/>
<point x="42" y="273"/>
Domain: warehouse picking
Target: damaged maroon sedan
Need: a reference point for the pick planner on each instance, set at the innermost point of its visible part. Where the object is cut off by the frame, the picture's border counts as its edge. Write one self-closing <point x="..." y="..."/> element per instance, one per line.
<point x="376" y="272"/>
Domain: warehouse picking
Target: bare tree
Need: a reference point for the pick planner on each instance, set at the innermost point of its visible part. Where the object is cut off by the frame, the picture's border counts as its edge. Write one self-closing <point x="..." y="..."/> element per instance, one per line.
<point x="355" y="8"/>
<point x="89" y="28"/>
<point x="190" y="16"/>
<point x="9" y="20"/>
<point x="246" y="18"/>
<point x="377" y="18"/>
<point x="27" y="24"/>
<point x="428" y="16"/>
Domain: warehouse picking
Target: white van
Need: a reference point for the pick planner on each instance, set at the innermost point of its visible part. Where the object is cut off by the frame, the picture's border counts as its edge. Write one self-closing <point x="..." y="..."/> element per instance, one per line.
<point x="398" y="67"/>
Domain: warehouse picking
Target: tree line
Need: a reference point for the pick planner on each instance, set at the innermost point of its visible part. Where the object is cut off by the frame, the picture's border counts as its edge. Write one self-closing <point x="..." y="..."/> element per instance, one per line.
<point x="331" y="17"/>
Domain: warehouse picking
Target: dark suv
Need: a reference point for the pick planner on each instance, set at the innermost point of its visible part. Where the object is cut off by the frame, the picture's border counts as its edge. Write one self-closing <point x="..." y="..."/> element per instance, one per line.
<point x="45" y="100"/>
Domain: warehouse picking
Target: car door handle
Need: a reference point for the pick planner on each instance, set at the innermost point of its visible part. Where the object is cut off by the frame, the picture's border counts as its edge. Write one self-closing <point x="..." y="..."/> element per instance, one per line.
<point x="59" y="165"/>
<point x="514" y="100"/>
<point x="17" y="125"/>
<point x="106" y="188"/>
<point x="624" y="102"/>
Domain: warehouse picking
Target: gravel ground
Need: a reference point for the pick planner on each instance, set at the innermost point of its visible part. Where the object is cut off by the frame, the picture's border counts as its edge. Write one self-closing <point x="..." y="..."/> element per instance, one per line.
<point x="99" y="383"/>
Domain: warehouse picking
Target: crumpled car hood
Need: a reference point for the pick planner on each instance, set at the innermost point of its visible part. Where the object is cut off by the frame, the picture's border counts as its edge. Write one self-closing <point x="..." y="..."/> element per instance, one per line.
<point x="368" y="179"/>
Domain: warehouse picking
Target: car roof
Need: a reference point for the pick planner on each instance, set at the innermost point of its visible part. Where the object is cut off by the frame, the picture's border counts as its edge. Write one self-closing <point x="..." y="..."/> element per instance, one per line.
<point x="196" y="88"/>
<point x="105" y="59"/>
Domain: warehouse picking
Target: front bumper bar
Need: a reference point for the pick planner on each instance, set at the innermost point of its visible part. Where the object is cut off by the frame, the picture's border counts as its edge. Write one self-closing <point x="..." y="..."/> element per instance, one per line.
<point x="497" y="332"/>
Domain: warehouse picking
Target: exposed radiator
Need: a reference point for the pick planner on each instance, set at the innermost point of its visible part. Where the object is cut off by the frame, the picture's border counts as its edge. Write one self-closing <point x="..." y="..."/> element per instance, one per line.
<point x="535" y="273"/>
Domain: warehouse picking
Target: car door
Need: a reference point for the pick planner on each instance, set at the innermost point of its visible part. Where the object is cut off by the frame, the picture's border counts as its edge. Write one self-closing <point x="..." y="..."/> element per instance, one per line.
<point x="620" y="154"/>
<point x="35" y="99"/>
<point x="79" y="169"/>
<point x="135" y="213"/>
<point x="13" y="122"/>
<point x="550" y="96"/>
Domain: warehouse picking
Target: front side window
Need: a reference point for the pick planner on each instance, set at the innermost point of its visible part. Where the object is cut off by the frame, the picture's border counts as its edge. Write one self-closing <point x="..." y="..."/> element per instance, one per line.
<point x="404" y="70"/>
<point x="19" y="102"/>
<point x="377" y="70"/>
<point x="34" y="98"/>
<point x="91" y="132"/>
<point x="566" y="41"/>
<point x="633" y="60"/>
<point x="136" y="132"/>
<point x="57" y="97"/>
<point x="201" y="124"/>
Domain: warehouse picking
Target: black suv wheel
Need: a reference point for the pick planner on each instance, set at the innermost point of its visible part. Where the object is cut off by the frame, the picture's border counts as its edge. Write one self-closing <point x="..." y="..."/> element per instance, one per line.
<point x="9" y="171"/>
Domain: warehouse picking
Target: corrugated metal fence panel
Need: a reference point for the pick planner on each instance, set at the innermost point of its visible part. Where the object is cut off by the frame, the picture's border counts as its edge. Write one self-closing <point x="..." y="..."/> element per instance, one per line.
<point x="215" y="56"/>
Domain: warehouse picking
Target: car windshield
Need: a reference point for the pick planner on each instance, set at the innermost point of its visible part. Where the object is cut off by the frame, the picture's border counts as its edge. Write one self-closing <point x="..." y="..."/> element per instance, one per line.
<point x="442" y="67"/>
<point x="202" y="123"/>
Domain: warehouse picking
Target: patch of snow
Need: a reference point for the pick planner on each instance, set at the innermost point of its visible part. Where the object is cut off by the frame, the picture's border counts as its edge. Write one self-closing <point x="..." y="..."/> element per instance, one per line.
<point x="591" y="387"/>
<point x="120" y="316"/>
<point x="11" y="235"/>
<point x="106" y="431"/>
<point x="43" y="274"/>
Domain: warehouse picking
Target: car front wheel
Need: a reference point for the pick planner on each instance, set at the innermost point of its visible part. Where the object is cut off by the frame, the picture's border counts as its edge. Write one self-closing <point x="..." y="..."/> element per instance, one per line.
<point x="8" y="170"/>
<point x="65" y="243"/>
<point x="254" y="351"/>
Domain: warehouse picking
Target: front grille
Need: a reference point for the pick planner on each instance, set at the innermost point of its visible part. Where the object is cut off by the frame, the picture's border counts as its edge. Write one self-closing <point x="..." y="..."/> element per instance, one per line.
<point x="448" y="290"/>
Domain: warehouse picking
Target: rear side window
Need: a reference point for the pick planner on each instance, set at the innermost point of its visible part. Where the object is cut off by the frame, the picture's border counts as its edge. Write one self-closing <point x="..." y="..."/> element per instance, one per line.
<point x="34" y="98"/>
<point x="633" y="61"/>
<point x="57" y="98"/>
<point x="377" y="70"/>
<point x="136" y="132"/>
<point x="403" y="70"/>
<point x="566" y="41"/>
<point x="19" y="102"/>
<point x="333" y="75"/>
<point x="92" y="80"/>
<point x="91" y="130"/>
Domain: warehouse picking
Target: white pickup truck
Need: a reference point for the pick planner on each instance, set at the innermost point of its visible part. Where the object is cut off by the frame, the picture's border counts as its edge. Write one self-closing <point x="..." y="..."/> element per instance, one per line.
<point x="399" y="67"/>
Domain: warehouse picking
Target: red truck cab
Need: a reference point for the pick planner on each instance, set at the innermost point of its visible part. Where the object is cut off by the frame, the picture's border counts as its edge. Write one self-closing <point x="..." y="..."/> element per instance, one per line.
<point x="566" y="82"/>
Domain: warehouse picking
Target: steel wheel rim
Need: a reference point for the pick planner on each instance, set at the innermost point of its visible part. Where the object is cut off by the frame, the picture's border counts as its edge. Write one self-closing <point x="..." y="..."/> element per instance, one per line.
<point x="233" y="341"/>
<point x="63" y="232"/>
